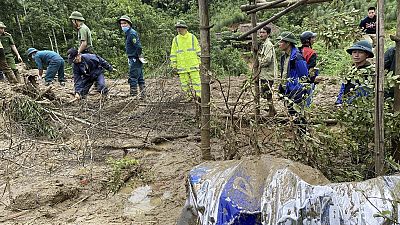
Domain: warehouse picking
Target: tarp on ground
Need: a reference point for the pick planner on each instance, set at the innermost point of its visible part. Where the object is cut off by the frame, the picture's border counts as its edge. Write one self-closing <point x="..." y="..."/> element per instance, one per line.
<point x="279" y="191"/>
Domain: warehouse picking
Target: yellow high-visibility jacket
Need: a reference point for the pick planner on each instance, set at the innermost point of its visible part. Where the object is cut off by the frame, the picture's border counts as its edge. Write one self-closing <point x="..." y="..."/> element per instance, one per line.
<point x="185" y="53"/>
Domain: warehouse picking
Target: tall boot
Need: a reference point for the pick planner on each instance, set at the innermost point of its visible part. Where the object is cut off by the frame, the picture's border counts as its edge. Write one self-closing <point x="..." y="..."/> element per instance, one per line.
<point x="142" y="89"/>
<point x="133" y="92"/>
<point x="17" y="76"/>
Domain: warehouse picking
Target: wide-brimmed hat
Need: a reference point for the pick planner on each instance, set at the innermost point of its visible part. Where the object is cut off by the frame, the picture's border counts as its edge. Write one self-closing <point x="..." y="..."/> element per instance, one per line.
<point x="125" y="18"/>
<point x="30" y="51"/>
<point x="75" y="15"/>
<point x="181" y="24"/>
<point x="2" y="25"/>
<point x="363" y="45"/>
<point x="287" y="36"/>
<point x="72" y="53"/>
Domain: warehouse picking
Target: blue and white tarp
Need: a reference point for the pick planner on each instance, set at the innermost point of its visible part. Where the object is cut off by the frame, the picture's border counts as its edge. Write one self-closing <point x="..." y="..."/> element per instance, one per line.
<point x="278" y="191"/>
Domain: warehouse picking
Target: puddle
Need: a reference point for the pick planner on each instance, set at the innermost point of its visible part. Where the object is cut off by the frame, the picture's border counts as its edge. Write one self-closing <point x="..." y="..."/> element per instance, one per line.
<point x="139" y="202"/>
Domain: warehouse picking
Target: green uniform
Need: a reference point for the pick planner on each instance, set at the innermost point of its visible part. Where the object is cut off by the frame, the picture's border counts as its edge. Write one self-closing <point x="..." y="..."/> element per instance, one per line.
<point x="267" y="60"/>
<point x="84" y="34"/>
<point x="8" y="41"/>
<point x="4" y="66"/>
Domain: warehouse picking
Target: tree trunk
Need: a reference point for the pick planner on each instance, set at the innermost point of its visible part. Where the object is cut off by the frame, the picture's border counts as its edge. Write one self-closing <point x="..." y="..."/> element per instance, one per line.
<point x="256" y="80"/>
<point x="205" y="79"/>
<point x="396" y="142"/>
<point x="51" y="43"/>
<point x="20" y="28"/>
<point x="55" y="40"/>
<point x="29" y="26"/>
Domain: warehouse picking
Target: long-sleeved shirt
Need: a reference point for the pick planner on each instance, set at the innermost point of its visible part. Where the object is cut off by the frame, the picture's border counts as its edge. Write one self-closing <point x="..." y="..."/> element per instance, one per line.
<point x="91" y="65"/>
<point x="45" y="57"/>
<point x="133" y="46"/>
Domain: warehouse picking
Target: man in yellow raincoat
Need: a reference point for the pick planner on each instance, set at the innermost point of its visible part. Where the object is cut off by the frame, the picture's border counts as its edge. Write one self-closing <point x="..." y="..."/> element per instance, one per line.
<point x="185" y="60"/>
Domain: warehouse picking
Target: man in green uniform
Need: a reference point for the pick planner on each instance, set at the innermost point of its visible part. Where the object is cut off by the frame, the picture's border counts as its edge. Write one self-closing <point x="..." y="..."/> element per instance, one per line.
<point x="9" y="49"/>
<point x="84" y="33"/>
<point x="4" y="66"/>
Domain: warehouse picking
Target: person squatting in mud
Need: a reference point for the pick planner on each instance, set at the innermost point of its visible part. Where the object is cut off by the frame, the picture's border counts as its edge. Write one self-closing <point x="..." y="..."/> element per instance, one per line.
<point x="88" y="69"/>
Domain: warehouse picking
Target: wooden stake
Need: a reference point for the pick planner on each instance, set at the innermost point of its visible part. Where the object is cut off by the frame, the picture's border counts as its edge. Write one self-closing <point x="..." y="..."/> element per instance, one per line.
<point x="284" y="4"/>
<point x="380" y="74"/>
<point x="205" y="79"/>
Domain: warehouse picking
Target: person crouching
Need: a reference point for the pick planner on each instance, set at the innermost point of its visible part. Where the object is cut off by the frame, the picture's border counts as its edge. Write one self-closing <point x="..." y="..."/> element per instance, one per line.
<point x="88" y="69"/>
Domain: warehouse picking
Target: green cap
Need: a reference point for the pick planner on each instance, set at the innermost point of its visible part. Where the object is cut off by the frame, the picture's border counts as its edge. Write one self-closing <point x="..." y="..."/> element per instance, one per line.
<point x="181" y="24"/>
<point x="75" y="15"/>
<point x="287" y="36"/>
<point x="2" y="25"/>
<point x="125" y="18"/>
<point x="363" y="45"/>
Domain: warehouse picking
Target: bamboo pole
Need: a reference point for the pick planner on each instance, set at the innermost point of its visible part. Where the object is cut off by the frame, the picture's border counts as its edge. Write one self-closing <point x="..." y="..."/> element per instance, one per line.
<point x="284" y="4"/>
<point x="273" y="18"/>
<point x="397" y="70"/>
<point x="380" y="73"/>
<point x="265" y="6"/>
<point x="205" y="79"/>
<point x="256" y="78"/>
<point x="396" y="106"/>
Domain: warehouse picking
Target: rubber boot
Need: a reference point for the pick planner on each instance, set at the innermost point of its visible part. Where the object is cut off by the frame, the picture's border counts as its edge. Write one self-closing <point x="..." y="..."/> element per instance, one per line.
<point x="134" y="92"/>
<point x="17" y="76"/>
<point x="142" y="89"/>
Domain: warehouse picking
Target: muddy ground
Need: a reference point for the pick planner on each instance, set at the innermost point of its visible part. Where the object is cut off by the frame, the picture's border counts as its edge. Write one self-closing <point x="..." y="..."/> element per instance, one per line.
<point x="70" y="179"/>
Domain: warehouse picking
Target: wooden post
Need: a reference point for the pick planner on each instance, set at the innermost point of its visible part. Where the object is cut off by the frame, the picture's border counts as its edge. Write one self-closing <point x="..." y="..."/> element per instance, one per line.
<point x="397" y="70"/>
<point x="380" y="74"/>
<point x="256" y="80"/>
<point x="205" y="79"/>
<point x="396" y="106"/>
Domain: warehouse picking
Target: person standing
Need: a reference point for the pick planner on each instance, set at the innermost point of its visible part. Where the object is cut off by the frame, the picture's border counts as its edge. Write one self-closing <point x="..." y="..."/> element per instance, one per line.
<point x="4" y="66"/>
<point x="88" y="69"/>
<point x="268" y="68"/>
<point x="359" y="76"/>
<point x="185" y="60"/>
<point x="307" y="39"/>
<point x="84" y="33"/>
<point x="53" y="61"/>
<point x="9" y="51"/>
<point x="294" y="74"/>
<point x="368" y="26"/>
<point x="133" y="49"/>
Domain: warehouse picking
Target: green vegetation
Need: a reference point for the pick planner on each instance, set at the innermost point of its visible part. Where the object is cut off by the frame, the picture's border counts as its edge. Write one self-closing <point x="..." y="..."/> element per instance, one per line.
<point x="122" y="170"/>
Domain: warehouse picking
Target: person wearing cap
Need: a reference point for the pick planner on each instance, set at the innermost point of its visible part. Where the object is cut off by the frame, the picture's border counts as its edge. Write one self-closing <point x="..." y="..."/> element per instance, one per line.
<point x="53" y="61"/>
<point x="294" y="74"/>
<point x="360" y="75"/>
<point x="84" y="33"/>
<point x="9" y="49"/>
<point x="267" y="68"/>
<point x="307" y="39"/>
<point x="133" y="49"/>
<point x="88" y="69"/>
<point x="185" y="60"/>
<point x="4" y="66"/>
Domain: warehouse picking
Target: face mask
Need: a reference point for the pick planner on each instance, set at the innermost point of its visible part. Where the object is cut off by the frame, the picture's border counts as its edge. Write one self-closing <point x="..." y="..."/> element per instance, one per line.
<point x="125" y="29"/>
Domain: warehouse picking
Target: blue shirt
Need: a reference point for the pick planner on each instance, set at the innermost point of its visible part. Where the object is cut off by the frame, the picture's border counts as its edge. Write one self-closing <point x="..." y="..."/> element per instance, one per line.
<point x="45" y="57"/>
<point x="133" y="46"/>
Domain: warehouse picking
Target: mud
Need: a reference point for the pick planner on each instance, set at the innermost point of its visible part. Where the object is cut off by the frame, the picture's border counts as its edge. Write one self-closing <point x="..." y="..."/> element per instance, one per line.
<point x="67" y="180"/>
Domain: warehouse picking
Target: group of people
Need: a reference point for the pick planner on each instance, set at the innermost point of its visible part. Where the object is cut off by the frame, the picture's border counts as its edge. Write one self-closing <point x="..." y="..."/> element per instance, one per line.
<point x="88" y="67"/>
<point x="298" y="66"/>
